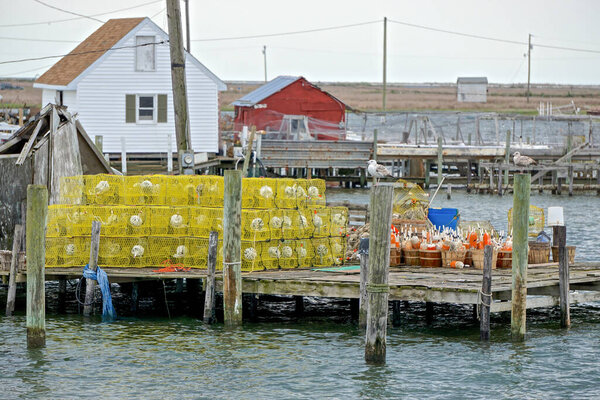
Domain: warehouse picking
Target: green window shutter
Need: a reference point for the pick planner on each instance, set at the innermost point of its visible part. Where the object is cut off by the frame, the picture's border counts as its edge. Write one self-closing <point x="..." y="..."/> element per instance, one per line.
<point x="162" y="108"/>
<point x="130" y="108"/>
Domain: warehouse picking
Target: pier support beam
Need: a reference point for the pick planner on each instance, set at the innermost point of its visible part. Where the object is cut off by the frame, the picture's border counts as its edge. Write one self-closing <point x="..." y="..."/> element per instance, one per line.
<point x="428" y="312"/>
<point x="560" y="233"/>
<point x="440" y="161"/>
<point x="396" y="312"/>
<point x="469" y="176"/>
<point x="377" y="283"/>
<point x="14" y="265"/>
<point x="62" y="295"/>
<point x="299" y="305"/>
<point x="88" y="306"/>
<point x="363" y="251"/>
<point x="485" y="300"/>
<point x="209" y="299"/>
<point x="521" y="193"/>
<point x="37" y="209"/>
<point x="232" y="245"/>
<point x="506" y="158"/>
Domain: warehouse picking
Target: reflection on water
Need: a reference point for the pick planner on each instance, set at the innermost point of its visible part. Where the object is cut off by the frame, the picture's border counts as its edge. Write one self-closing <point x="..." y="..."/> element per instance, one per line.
<point x="581" y="213"/>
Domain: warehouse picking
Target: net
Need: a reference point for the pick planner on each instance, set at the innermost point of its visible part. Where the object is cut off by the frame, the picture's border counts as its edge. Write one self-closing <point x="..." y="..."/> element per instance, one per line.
<point x="410" y="201"/>
<point x="536" y="223"/>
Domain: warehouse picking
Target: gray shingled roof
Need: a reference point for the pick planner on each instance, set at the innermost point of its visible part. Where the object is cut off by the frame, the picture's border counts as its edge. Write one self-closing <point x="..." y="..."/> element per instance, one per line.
<point x="481" y="79"/>
<point x="266" y="90"/>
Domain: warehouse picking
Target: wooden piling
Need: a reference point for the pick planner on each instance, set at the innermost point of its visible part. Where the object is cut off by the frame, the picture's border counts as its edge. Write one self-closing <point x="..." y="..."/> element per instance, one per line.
<point x="93" y="265"/>
<point x="485" y="297"/>
<point x="299" y="305"/>
<point x="500" y="182"/>
<point x="124" y="156"/>
<point x="520" y="225"/>
<point x="14" y="264"/>
<point x="428" y="312"/>
<point x="506" y="158"/>
<point x="396" y="312"/>
<point x="560" y="233"/>
<point x="374" y="151"/>
<point x="62" y="295"/>
<point x="469" y="173"/>
<point x="232" y="268"/>
<point x="440" y="160"/>
<point x="491" y="189"/>
<point x="135" y="297"/>
<point x="209" y="299"/>
<point x="449" y="191"/>
<point x="248" y="152"/>
<point x="571" y="180"/>
<point x="363" y="251"/>
<point x="37" y="209"/>
<point x="377" y="282"/>
<point x="427" y="177"/>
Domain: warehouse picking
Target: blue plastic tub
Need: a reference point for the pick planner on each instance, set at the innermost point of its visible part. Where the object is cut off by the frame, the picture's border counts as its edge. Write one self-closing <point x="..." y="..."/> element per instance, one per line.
<point x="444" y="217"/>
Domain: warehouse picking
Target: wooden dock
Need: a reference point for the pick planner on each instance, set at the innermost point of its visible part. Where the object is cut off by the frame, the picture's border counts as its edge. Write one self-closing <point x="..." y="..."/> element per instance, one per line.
<point x="431" y="285"/>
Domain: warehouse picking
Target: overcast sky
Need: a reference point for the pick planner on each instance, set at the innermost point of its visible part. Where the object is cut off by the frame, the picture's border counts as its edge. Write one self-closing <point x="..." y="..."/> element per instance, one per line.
<point x="350" y="54"/>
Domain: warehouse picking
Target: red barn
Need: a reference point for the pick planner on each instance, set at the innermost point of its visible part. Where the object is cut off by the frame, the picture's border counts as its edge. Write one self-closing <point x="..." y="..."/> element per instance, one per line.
<point x="294" y="108"/>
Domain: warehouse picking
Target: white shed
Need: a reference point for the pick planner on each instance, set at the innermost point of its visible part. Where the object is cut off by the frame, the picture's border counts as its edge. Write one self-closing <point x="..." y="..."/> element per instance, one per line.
<point x="471" y="90"/>
<point x="118" y="81"/>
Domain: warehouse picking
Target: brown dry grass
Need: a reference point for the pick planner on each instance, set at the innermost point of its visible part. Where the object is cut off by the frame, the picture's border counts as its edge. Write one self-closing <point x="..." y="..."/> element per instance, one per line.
<point x="29" y="96"/>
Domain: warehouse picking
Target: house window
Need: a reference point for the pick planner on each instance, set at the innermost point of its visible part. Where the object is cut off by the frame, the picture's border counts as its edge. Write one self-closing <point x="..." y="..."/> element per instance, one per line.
<point x="145" y="109"/>
<point x="145" y="53"/>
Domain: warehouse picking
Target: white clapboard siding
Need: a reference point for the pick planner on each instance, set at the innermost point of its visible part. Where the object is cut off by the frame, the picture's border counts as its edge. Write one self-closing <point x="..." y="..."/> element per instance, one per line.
<point x="69" y="98"/>
<point x="101" y="94"/>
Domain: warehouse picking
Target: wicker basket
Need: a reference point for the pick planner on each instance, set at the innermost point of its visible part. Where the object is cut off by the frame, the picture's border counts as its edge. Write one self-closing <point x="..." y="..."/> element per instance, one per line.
<point x="477" y="256"/>
<point x="504" y="259"/>
<point x="468" y="258"/>
<point x="570" y="249"/>
<point x="448" y="256"/>
<point x="431" y="258"/>
<point x="395" y="256"/>
<point x="539" y="253"/>
<point x="412" y="257"/>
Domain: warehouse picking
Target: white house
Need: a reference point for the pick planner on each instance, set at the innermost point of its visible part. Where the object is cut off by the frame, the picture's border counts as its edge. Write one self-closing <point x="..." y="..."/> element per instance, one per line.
<point x="472" y="90"/>
<point x="118" y="81"/>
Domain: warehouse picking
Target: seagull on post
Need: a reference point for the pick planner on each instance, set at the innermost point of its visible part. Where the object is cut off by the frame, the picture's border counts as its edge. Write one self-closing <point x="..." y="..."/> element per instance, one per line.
<point x="523" y="161"/>
<point x="377" y="171"/>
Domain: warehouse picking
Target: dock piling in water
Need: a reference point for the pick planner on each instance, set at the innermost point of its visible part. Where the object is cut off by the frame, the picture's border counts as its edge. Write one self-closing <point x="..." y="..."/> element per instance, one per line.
<point x="364" y="271"/>
<point x="93" y="265"/>
<point x="377" y="283"/>
<point x="560" y="233"/>
<point x="485" y="297"/>
<point x="520" y="217"/>
<point x="37" y="209"/>
<point x="14" y="264"/>
<point x="232" y="248"/>
<point x="209" y="299"/>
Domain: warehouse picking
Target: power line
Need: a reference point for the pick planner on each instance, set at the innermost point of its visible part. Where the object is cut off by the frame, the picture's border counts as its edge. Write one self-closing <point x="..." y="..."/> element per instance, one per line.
<point x="81" y="53"/>
<point x="546" y="46"/>
<point x="72" y="19"/>
<point x="68" y="12"/>
<point x="286" y="33"/>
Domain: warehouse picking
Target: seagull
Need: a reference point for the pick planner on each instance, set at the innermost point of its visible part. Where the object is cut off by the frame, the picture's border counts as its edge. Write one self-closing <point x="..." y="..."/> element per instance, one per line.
<point x="523" y="161"/>
<point x="377" y="170"/>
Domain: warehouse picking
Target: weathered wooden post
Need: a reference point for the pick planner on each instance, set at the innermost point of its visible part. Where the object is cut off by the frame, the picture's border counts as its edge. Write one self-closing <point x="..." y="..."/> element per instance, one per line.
<point x="90" y="284"/>
<point x="560" y="233"/>
<point x="427" y="177"/>
<point x="37" y="209"/>
<point x="14" y="264"/>
<point x="232" y="245"/>
<point x="209" y="299"/>
<point x="469" y="176"/>
<point x="571" y="180"/>
<point x="363" y="251"/>
<point x="500" y="181"/>
<point x="449" y="191"/>
<point x="124" y="156"/>
<point x="491" y="188"/>
<point x="440" y="160"/>
<point x="374" y="151"/>
<point x="99" y="140"/>
<point x="377" y="282"/>
<point x="248" y="152"/>
<point x="506" y="158"/>
<point x="520" y="222"/>
<point x="485" y="297"/>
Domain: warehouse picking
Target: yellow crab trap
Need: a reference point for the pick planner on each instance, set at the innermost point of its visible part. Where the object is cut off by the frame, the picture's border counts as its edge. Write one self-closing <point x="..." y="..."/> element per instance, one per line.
<point x="145" y="190"/>
<point x="322" y="256"/>
<point x="57" y="222"/>
<point x="169" y="221"/>
<point x="251" y="256"/>
<point x="104" y="189"/>
<point x="270" y="254"/>
<point x="72" y="190"/>
<point x="258" y="192"/>
<point x="305" y="252"/>
<point x="79" y="220"/>
<point x="255" y="225"/>
<point x="410" y="201"/>
<point x="60" y="251"/>
<point x="338" y="249"/>
<point x="285" y="196"/>
<point x="165" y="250"/>
<point x="537" y="221"/>
<point x="210" y="191"/>
<point x="339" y="221"/>
<point x="321" y="220"/>
<point x="203" y="220"/>
<point x="112" y="218"/>
<point x="124" y="252"/>
<point x="276" y="220"/>
<point x="305" y="223"/>
<point x="288" y="256"/>
<point x="290" y="224"/>
<point x="315" y="193"/>
<point x="182" y="190"/>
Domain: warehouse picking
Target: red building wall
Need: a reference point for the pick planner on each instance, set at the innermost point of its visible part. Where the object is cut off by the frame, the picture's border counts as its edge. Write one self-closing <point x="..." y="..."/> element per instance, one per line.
<point x="298" y="98"/>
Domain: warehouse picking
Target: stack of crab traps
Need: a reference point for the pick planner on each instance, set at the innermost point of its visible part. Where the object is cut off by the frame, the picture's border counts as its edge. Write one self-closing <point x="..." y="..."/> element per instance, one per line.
<point x="148" y="221"/>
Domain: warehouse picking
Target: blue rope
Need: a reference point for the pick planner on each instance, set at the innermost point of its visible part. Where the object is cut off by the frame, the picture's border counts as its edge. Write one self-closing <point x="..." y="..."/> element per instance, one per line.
<point x="108" y="311"/>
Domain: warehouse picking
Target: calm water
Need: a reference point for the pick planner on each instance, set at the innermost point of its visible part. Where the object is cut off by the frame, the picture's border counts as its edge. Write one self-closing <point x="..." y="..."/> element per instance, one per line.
<point x="321" y="354"/>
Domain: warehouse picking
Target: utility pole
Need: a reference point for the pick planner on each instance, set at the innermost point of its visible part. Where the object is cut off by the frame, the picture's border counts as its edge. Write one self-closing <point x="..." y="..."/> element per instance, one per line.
<point x="528" y="66"/>
<point x="265" y="57"/>
<point x="384" y="61"/>
<point x="187" y="25"/>
<point x="180" y="106"/>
